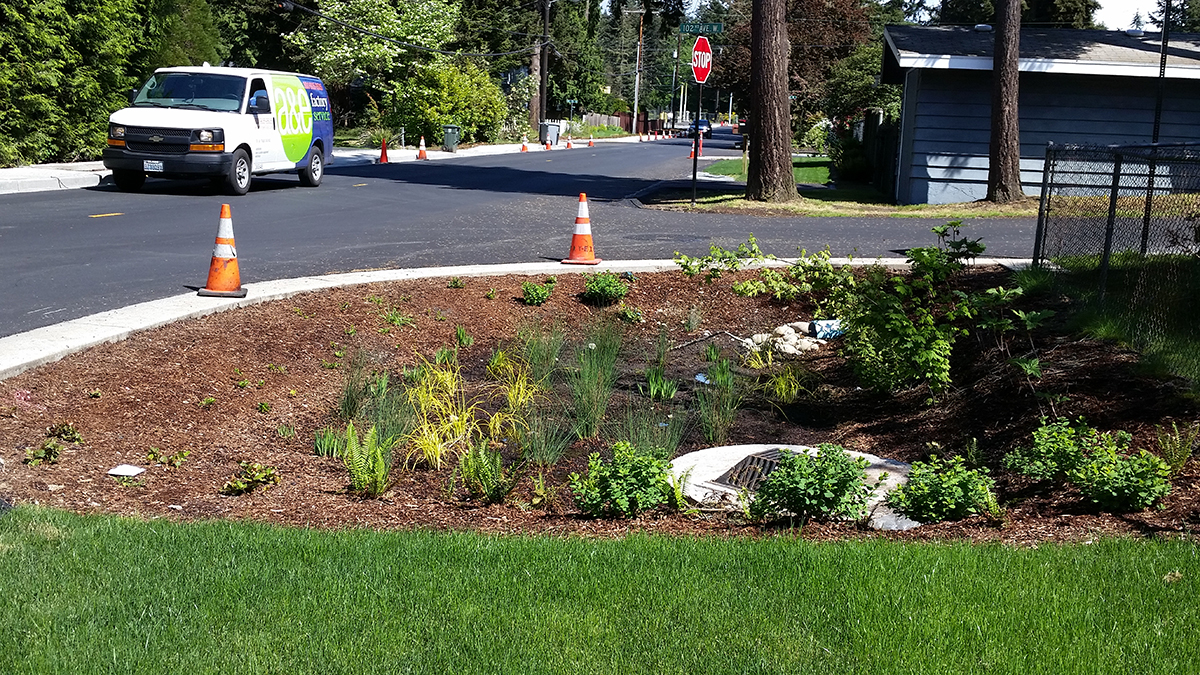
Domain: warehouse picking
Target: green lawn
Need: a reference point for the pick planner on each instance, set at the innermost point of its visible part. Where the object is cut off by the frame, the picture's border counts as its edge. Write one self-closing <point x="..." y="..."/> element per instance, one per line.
<point x="805" y="169"/>
<point x="104" y="594"/>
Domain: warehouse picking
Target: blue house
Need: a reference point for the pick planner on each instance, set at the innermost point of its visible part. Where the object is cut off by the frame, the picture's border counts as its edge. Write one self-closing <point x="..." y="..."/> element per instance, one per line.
<point x="1076" y="86"/>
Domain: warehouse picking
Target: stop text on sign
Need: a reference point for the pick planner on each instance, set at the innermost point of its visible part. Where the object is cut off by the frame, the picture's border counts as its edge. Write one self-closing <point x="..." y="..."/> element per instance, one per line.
<point x="701" y="59"/>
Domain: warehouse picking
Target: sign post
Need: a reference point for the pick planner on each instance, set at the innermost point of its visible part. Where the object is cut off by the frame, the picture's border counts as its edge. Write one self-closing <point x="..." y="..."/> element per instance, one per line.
<point x="701" y="69"/>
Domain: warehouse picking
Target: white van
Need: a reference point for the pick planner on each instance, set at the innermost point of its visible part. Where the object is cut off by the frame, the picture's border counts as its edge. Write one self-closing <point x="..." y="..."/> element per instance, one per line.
<point x="225" y="123"/>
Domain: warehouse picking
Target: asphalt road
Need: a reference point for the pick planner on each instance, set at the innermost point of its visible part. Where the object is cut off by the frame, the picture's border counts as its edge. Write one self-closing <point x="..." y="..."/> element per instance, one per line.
<point x="70" y="253"/>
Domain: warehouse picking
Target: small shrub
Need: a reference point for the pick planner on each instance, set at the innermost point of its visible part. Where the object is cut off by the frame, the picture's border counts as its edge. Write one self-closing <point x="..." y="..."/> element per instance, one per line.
<point x="831" y="484"/>
<point x="630" y="314"/>
<point x="942" y="489"/>
<point x="1057" y="450"/>
<point x="456" y="282"/>
<point x="603" y="288"/>
<point x="536" y="294"/>
<point x="264" y="407"/>
<point x="65" y="432"/>
<point x="1176" y="446"/>
<point x="1122" y="483"/>
<point x="624" y="487"/>
<point x="368" y="462"/>
<point x="173" y="461"/>
<point x="329" y="442"/>
<point x="249" y="477"/>
<point x="46" y="453"/>
<point x="491" y="294"/>
<point x="484" y="474"/>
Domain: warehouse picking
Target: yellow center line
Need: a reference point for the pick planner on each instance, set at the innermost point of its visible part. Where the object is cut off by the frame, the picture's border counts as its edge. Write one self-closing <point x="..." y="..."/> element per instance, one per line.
<point x="105" y="215"/>
<point x="359" y="184"/>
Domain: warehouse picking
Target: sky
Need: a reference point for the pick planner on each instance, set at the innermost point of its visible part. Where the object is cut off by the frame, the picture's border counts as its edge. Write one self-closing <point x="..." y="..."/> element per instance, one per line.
<point x="1117" y="14"/>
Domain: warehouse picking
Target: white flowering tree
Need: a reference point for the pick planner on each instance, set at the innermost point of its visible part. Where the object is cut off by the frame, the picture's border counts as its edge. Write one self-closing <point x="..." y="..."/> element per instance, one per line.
<point x="340" y="55"/>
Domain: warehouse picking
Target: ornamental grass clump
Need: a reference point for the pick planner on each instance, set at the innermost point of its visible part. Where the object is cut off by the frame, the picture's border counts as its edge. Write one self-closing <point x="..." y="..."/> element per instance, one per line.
<point x="829" y="484"/>
<point x="595" y="375"/>
<point x="944" y="489"/>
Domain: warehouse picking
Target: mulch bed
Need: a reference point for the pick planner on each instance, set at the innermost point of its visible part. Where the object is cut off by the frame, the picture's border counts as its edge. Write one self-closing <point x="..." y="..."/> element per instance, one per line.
<point x="147" y="391"/>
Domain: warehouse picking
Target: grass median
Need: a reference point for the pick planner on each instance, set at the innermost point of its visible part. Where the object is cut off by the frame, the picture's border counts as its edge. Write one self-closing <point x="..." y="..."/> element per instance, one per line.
<point x="106" y="594"/>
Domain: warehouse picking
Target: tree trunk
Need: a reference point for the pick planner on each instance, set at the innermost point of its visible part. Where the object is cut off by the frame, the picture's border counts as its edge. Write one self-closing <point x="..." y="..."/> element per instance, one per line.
<point x="535" y="71"/>
<point x="1004" y="158"/>
<point x="770" y="177"/>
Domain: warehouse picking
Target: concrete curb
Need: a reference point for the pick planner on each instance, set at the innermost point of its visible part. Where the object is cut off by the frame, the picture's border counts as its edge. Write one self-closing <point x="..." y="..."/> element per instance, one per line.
<point x="23" y="351"/>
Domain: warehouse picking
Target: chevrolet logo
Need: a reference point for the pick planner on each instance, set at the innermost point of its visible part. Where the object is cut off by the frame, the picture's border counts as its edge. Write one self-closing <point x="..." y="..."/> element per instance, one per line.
<point x="156" y="139"/>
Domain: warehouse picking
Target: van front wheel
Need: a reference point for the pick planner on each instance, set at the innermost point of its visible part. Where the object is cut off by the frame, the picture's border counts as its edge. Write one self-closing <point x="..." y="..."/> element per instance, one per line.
<point x="312" y="174"/>
<point x="238" y="180"/>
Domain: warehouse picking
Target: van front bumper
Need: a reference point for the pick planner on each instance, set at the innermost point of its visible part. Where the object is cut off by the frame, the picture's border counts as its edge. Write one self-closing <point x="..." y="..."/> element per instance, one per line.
<point x="173" y="166"/>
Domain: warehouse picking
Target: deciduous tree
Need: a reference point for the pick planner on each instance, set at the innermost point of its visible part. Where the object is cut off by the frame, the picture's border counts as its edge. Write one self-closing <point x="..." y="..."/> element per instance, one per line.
<point x="770" y="177"/>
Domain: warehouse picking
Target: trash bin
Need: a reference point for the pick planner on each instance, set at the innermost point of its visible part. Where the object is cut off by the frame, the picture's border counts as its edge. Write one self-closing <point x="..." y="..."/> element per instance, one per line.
<point x="451" y="133"/>
<point x="548" y="133"/>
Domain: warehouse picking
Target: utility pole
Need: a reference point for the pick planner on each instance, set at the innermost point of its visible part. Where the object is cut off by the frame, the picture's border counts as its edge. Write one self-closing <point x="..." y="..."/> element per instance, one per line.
<point x="545" y="62"/>
<point x="637" y="74"/>
<point x="674" y="78"/>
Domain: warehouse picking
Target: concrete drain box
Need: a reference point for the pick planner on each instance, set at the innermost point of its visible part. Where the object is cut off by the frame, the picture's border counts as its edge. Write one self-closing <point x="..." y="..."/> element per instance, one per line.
<point x="752" y="470"/>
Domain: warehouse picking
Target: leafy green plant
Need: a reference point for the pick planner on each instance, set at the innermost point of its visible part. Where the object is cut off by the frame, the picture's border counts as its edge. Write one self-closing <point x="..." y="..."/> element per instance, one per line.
<point x="630" y="314"/>
<point x="276" y="369"/>
<point x="250" y="476"/>
<point x="46" y="453"/>
<point x="264" y="407"/>
<point x="172" y="461"/>
<point x="285" y="431"/>
<point x="129" y="481"/>
<point x="462" y="338"/>
<point x="658" y="387"/>
<point x="456" y="282"/>
<point x="543" y="495"/>
<point x="944" y="489"/>
<point x="794" y="382"/>
<point x="533" y="293"/>
<point x="206" y="402"/>
<point x="603" y="288"/>
<point x="1122" y="483"/>
<point x="491" y="294"/>
<point x="595" y="375"/>
<point x="395" y="317"/>
<point x="375" y="300"/>
<point x="484" y="473"/>
<point x="711" y="353"/>
<point x="330" y="365"/>
<point x="65" y="432"/>
<point x="369" y="462"/>
<point x="624" y="487"/>
<point x="720" y="260"/>
<point x="1176" y="446"/>
<point x="831" y="484"/>
<point x="94" y="393"/>
<point x="1058" y="449"/>
<point x="445" y="355"/>
<point x="329" y="442"/>
<point x="717" y="402"/>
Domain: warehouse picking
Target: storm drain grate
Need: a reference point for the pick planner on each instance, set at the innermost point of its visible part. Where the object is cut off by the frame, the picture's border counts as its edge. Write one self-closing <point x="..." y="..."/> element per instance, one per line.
<point x="752" y="470"/>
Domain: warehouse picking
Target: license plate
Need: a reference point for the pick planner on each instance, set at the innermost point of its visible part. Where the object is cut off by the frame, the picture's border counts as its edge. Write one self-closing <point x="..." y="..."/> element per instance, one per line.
<point x="152" y="165"/>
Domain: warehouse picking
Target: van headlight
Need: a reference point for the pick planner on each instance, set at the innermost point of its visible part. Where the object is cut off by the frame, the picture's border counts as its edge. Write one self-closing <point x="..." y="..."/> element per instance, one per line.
<point x="205" y="135"/>
<point x="208" y="140"/>
<point x="116" y="131"/>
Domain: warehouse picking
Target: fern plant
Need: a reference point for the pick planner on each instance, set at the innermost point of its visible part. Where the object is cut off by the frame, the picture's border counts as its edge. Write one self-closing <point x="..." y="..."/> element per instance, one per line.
<point x="368" y="462"/>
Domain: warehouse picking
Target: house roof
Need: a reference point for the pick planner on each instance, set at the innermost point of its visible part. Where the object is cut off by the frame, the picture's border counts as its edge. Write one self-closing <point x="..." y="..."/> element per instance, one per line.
<point x="1085" y="52"/>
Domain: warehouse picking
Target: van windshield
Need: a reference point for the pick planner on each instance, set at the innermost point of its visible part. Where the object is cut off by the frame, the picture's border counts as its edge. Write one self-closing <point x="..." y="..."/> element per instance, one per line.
<point x="197" y="91"/>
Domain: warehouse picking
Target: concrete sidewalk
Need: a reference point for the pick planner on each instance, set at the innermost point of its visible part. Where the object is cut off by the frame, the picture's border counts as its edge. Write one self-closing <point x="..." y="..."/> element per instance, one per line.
<point x="74" y="175"/>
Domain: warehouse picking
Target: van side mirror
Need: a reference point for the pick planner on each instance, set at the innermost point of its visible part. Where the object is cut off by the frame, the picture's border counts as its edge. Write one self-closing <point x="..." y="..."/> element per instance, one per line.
<point x="133" y="95"/>
<point x="260" y="104"/>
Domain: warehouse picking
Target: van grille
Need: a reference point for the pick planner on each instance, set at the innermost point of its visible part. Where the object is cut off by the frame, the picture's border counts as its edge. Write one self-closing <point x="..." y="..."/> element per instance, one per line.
<point x="185" y="134"/>
<point x="160" y="148"/>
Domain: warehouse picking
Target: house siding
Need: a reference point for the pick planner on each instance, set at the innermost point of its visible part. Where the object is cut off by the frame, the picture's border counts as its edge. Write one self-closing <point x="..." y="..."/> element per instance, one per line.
<point x="947" y="120"/>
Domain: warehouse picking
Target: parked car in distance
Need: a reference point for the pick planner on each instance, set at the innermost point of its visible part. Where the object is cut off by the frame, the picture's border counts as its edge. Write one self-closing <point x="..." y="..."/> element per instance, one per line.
<point x="705" y="128"/>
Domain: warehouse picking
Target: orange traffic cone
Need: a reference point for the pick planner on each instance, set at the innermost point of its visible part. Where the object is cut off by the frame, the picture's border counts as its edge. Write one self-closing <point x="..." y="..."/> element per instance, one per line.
<point x="223" y="278"/>
<point x="421" y="150"/>
<point x="569" y="146"/>
<point x="701" y="139"/>
<point x="591" y="142"/>
<point x="524" y="144"/>
<point x="383" y="153"/>
<point x="547" y="143"/>
<point x="582" y="252"/>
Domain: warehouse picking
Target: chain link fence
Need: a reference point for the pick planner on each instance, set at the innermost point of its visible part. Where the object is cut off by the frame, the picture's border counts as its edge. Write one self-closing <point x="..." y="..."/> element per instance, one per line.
<point x="1120" y="227"/>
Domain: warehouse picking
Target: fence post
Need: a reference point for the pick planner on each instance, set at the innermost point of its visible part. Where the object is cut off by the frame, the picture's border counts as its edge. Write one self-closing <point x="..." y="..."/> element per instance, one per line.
<point x="1106" y="258"/>
<point x="402" y="137"/>
<point x="1043" y="206"/>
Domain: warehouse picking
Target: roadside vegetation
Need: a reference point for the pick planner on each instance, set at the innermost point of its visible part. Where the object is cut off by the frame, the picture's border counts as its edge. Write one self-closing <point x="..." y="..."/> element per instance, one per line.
<point x="244" y="597"/>
<point x="810" y="170"/>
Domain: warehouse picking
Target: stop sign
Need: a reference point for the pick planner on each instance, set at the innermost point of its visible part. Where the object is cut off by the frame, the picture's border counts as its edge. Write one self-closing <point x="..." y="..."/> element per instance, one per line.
<point x="701" y="59"/>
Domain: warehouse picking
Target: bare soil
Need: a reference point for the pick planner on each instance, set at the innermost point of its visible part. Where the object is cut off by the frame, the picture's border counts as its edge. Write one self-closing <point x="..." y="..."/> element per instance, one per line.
<point x="149" y="391"/>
